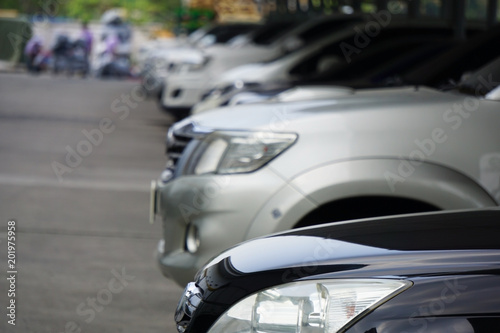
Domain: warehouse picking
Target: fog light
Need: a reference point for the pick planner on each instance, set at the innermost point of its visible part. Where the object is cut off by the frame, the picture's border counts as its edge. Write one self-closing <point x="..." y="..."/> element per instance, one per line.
<point x="176" y="93"/>
<point x="192" y="242"/>
<point x="166" y="175"/>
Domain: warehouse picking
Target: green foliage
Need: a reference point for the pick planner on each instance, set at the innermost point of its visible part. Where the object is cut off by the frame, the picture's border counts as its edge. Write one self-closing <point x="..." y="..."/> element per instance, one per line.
<point x="190" y="19"/>
<point x="151" y="10"/>
<point x="14" y="33"/>
<point x="86" y="10"/>
<point x="23" y="6"/>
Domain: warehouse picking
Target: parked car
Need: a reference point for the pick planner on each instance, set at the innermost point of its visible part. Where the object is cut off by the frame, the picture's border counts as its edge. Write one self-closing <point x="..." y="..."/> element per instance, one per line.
<point x="159" y="59"/>
<point x="187" y="83"/>
<point x="378" y="63"/>
<point x="403" y="61"/>
<point x="416" y="273"/>
<point x="232" y="177"/>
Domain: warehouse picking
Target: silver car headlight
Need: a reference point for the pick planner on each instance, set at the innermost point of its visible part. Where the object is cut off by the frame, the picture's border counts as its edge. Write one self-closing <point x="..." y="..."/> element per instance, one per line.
<point x="230" y="152"/>
<point x="308" y="306"/>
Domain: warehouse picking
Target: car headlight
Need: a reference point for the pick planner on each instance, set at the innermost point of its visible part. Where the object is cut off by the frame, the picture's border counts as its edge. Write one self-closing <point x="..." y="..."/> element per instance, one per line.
<point x="239" y="152"/>
<point x="195" y="66"/>
<point x="308" y="306"/>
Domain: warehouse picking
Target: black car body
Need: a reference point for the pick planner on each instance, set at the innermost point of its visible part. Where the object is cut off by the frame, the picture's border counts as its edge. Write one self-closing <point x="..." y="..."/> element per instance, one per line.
<point x="433" y="65"/>
<point x="447" y="264"/>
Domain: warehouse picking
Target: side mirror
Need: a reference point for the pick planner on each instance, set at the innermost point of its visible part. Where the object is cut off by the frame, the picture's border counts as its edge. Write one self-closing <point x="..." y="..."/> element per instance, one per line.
<point x="206" y="41"/>
<point x="291" y="44"/>
<point x="465" y="76"/>
<point x="326" y="63"/>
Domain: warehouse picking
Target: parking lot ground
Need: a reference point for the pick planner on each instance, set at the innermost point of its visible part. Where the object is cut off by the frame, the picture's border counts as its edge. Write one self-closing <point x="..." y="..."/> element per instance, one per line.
<point x="84" y="249"/>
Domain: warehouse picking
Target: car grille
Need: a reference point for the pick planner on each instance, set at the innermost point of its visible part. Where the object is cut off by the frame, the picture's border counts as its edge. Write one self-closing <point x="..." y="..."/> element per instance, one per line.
<point x="178" y="138"/>
<point x="175" y="146"/>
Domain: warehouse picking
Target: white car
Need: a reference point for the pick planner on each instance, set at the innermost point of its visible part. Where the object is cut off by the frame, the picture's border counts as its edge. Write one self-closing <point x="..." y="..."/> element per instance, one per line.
<point x="158" y="59"/>
<point x="186" y="85"/>
<point x="250" y="170"/>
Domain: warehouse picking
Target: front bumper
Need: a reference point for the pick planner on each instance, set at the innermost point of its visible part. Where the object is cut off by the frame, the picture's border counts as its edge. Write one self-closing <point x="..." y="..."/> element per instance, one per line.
<point x="183" y="91"/>
<point x="220" y="207"/>
<point x="176" y="266"/>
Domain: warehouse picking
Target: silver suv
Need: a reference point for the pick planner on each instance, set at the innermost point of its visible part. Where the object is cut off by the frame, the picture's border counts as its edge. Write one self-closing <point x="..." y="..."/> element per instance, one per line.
<point x="250" y="170"/>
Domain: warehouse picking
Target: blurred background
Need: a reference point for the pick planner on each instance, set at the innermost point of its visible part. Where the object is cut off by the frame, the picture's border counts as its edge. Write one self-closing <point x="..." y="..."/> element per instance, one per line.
<point x="160" y="20"/>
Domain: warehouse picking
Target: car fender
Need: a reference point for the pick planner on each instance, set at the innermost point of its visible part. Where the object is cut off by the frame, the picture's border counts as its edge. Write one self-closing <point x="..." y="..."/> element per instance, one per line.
<point x="430" y="183"/>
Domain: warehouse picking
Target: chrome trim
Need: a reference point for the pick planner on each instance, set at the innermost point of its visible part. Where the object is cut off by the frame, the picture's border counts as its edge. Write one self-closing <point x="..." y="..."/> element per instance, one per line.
<point x="188" y="304"/>
<point x="178" y="138"/>
<point x="153" y="201"/>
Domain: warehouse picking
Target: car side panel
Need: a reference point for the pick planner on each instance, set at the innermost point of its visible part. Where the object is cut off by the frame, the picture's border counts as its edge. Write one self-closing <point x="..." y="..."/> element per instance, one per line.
<point x="429" y="183"/>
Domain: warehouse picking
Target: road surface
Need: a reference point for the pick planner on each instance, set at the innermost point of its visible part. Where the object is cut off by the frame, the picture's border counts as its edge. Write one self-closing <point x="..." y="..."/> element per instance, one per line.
<point x="76" y="160"/>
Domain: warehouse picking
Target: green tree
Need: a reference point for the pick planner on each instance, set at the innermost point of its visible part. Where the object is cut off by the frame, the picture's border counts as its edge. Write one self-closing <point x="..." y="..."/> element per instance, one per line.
<point x="151" y="10"/>
<point x="87" y="10"/>
<point x="23" y="6"/>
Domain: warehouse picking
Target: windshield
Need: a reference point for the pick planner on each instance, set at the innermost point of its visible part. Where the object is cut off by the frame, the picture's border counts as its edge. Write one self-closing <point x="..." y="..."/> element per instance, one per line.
<point x="225" y="32"/>
<point x="196" y="35"/>
<point x="270" y="32"/>
<point x="293" y="42"/>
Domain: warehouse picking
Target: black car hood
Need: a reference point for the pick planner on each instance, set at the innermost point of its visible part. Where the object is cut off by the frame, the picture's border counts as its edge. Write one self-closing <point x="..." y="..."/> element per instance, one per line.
<point x="395" y="236"/>
<point x="405" y="245"/>
<point x="433" y="244"/>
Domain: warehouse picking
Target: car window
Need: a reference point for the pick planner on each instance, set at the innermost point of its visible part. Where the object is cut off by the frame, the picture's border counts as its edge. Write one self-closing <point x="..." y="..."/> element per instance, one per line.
<point x="223" y="33"/>
<point x="326" y="28"/>
<point x="196" y="35"/>
<point x="450" y="66"/>
<point x="388" y="59"/>
<point x="308" y="67"/>
<point x="271" y="32"/>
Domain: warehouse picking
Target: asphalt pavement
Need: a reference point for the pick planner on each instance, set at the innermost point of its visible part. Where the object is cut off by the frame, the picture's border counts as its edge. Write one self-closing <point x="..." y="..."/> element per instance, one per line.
<point x="76" y="160"/>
